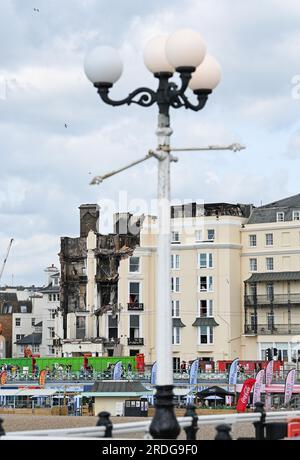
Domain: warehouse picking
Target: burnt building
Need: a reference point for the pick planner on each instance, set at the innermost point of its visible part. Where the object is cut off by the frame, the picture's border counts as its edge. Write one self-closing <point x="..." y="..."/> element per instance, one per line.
<point x="89" y="279"/>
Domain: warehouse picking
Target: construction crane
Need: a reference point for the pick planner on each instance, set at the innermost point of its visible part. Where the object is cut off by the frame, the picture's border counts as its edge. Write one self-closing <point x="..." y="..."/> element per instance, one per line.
<point x="6" y="257"/>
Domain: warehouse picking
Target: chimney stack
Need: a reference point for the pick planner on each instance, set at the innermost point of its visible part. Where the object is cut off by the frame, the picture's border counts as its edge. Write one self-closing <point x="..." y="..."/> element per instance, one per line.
<point x="89" y="219"/>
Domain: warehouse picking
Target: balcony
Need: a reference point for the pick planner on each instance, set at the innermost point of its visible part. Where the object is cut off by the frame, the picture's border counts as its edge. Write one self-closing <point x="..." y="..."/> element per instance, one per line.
<point x="277" y="300"/>
<point x="111" y="342"/>
<point x="276" y="329"/>
<point x="135" y="306"/>
<point x="135" y="342"/>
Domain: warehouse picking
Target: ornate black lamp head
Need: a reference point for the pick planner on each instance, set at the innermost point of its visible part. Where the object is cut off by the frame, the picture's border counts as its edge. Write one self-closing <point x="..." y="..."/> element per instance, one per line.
<point x="184" y="52"/>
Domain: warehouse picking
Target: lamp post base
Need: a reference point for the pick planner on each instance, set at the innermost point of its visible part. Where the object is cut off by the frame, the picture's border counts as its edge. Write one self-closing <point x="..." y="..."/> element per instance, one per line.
<point x="164" y="424"/>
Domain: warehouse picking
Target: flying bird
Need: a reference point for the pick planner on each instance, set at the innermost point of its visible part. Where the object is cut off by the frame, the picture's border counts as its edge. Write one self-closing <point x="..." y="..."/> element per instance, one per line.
<point x="36" y="9"/>
<point x="66" y="125"/>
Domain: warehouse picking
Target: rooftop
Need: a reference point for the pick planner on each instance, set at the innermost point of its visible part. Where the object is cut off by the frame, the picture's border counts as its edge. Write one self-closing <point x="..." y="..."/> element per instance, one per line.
<point x="268" y="212"/>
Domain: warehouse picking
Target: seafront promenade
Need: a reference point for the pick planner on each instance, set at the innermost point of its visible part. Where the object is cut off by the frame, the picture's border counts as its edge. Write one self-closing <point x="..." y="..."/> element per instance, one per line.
<point x="26" y="422"/>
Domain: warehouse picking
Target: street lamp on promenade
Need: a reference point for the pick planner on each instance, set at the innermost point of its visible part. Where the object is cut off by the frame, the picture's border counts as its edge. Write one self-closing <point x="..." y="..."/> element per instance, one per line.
<point x="184" y="52"/>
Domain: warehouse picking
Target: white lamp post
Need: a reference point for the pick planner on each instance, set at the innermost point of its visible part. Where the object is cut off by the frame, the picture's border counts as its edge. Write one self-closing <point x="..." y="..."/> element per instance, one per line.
<point x="184" y="52"/>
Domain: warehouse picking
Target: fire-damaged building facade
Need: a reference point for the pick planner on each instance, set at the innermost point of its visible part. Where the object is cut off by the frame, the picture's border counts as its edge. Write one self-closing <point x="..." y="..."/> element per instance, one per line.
<point x="89" y="283"/>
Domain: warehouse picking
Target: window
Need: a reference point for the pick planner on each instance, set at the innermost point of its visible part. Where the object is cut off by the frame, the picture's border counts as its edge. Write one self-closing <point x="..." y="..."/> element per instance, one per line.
<point x="270" y="320"/>
<point x="56" y="281"/>
<point x="210" y="234"/>
<point x="32" y="321"/>
<point x="175" y="309"/>
<point x="270" y="292"/>
<point x="134" y="326"/>
<point x="175" y="261"/>
<point x="175" y="237"/>
<point x="19" y="337"/>
<point x="206" y="335"/>
<point x="80" y="327"/>
<point x="198" y="235"/>
<point x="253" y="265"/>
<point x="205" y="308"/>
<point x="7" y="309"/>
<point x="205" y="283"/>
<point x="296" y="215"/>
<point x="112" y="327"/>
<point x="134" y="292"/>
<point x="51" y="332"/>
<point x="52" y="314"/>
<point x="280" y="217"/>
<point x="18" y="322"/>
<point x="269" y="239"/>
<point x="205" y="260"/>
<point x="253" y="289"/>
<point x="252" y="240"/>
<point x="175" y="284"/>
<point x="270" y="263"/>
<point x="23" y="308"/>
<point x="50" y="297"/>
<point x="35" y="348"/>
<point x="51" y="350"/>
<point x="134" y="264"/>
<point x="253" y="322"/>
<point x="176" y="336"/>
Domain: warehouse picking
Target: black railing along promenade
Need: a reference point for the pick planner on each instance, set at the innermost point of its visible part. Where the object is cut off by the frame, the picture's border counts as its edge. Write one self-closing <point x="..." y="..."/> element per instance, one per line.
<point x="267" y="426"/>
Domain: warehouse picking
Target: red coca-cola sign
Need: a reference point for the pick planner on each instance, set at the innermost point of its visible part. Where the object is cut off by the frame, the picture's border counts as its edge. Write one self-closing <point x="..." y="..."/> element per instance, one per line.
<point x="244" y="395"/>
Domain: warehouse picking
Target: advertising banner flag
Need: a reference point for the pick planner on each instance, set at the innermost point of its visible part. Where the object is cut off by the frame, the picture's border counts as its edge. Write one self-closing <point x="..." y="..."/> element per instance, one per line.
<point x="259" y="380"/>
<point x="244" y="395"/>
<point x="194" y="372"/>
<point x="3" y="377"/>
<point x="42" y="378"/>
<point x="289" y="385"/>
<point x="269" y="377"/>
<point x="269" y="372"/>
<point x="117" y="371"/>
<point x="153" y="373"/>
<point x="233" y="372"/>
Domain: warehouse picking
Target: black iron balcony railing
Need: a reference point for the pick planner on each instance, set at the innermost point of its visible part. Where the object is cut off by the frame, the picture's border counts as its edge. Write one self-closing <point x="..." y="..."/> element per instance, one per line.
<point x="275" y="329"/>
<point x="135" y="306"/>
<point x="135" y="341"/>
<point x="111" y="341"/>
<point x="275" y="300"/>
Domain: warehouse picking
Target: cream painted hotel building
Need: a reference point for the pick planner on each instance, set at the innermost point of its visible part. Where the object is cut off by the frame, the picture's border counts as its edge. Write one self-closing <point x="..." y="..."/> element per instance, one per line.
<point x="235" y="281"/>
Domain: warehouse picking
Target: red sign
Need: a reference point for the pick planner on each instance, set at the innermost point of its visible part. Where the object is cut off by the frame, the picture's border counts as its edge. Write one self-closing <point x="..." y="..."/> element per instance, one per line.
<point x="244" y="395"/>
<point x="140" y="363"/>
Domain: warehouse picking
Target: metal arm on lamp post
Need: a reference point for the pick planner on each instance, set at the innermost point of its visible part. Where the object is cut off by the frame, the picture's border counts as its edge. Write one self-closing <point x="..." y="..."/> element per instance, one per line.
<point x="184" y="52"/>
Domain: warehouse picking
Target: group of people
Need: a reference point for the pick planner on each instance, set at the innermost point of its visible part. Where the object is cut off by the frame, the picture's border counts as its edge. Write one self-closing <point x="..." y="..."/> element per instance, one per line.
<point x="10" y="368"/>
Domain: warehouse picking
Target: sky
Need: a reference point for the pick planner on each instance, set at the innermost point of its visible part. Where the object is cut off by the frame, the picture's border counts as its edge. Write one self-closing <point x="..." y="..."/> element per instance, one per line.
<point x="46" y="168"/>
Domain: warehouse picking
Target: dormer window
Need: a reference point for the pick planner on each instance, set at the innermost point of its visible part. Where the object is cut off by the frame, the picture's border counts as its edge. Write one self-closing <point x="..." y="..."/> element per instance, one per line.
<point x="296" y="215"/>
<point x="280" y="217"/>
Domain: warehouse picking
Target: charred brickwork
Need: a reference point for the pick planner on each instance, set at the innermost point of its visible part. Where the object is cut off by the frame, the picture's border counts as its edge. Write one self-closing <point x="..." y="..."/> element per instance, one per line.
<point x="211" y="209"/>
<point x="109" y="251"/>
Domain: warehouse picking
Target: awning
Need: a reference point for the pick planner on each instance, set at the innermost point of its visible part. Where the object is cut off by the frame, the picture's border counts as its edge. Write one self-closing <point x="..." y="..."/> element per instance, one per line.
<point x="28" y="392"/>
<point x="205" y="322"/>
<point x="274" y="276"/>
<point x="8" y="392"/>
<point x="36" y="393"/>
<point x="177" y="322"/>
